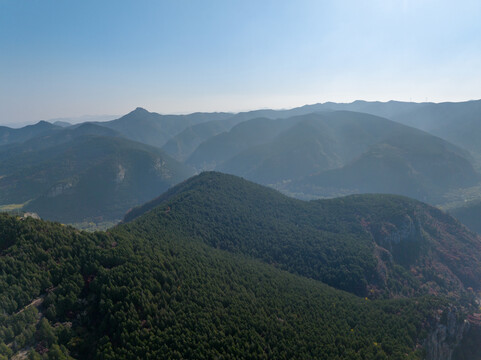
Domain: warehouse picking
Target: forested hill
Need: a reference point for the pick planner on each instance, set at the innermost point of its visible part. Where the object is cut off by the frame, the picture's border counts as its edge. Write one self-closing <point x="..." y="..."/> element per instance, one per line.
<point x="371" y="245"/>
<point x="219" y="267"/>
<point x="120" y="295"/>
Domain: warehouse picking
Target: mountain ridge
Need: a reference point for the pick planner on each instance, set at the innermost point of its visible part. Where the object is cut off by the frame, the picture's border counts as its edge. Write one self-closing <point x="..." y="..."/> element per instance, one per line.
<point x="262" y="212"/>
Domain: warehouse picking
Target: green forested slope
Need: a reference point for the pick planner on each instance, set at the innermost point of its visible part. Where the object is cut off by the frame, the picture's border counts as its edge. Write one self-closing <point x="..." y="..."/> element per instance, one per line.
<point x="128" y="294"/>
<point x="200" y="273"/>
<point x="376" y="245"/>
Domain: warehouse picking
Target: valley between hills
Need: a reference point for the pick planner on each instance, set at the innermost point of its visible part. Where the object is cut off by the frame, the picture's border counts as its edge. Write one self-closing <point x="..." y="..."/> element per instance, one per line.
<point x="329" y="231"/>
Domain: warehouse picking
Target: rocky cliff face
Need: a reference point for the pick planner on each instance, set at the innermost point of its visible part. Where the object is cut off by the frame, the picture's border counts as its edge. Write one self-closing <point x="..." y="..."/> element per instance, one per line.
<point x="447" y="334"/>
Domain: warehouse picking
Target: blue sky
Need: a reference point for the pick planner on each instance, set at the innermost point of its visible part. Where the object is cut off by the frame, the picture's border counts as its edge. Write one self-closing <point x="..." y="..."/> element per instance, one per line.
<point x="69" y="58"/>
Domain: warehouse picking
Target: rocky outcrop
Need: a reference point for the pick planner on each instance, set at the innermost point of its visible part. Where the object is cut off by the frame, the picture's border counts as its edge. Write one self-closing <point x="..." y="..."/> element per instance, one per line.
<point x="161" y="168"/>
<point x="120" y="174"/>
<point x="59" y="189"/>
<point x="446" y="335"/>
<point x="407" y="231"/>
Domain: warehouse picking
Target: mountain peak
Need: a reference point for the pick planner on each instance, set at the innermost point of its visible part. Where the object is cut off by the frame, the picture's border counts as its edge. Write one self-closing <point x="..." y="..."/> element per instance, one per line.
<point x="138" y="113"/>
<point x="43" y="123"/>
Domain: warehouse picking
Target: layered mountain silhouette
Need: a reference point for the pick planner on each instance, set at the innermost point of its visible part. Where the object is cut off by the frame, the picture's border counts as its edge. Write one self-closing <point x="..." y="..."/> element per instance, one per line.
<point x="184" y="144"/>
<point x="331" y="153"/>
<point x="314" y="151"/>
<point x="458" y="122"/>
<point x="155" y="129"/>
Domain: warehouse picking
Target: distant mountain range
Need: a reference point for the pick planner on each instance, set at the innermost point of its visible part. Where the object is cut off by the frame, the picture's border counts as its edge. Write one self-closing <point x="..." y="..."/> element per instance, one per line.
<point x="155" y="129"/>
<point x="456" y="122"/>
<point x="10" y="135"/>
<point x="315" y="151"/>
<point x="332" y="153"/>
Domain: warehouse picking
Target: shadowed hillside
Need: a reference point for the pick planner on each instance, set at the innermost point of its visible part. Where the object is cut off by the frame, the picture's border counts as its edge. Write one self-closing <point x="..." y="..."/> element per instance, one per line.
<point x="81" y="174"/>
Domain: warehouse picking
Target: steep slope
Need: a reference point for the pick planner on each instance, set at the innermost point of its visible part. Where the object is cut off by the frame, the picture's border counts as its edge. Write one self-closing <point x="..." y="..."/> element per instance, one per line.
<point x="377" y="246"/>
<point x="77" y="176"/>
<point x="132" y="293"/>
<point x="155" y="129"/>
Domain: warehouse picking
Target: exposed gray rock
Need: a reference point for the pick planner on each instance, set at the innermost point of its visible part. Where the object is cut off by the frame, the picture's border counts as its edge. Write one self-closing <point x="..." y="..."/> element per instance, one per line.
<point x="59" y="189"/>
<point x="442" y="341"/>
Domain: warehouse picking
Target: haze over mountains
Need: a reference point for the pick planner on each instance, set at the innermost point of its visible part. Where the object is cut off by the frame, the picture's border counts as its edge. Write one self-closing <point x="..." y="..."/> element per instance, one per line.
<point x="220" y="263"/>
<point x="321" y="150"/>
<point x="155" y="129"/>
<point x="327" y="154"/>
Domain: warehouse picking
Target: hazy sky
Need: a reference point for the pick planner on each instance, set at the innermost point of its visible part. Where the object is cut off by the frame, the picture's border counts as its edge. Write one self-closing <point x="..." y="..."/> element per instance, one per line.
<point x="69" y="58"/>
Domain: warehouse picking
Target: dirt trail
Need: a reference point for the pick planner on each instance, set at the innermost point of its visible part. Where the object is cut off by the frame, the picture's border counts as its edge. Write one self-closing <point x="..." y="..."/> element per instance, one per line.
<point x="37" y="302"/>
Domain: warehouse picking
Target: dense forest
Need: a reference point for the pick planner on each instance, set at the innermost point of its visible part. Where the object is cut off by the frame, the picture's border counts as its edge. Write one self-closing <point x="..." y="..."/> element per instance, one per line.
<point x="114" y="296"/>
<point x="371" y="245"/>
<point x="157" y="287"/>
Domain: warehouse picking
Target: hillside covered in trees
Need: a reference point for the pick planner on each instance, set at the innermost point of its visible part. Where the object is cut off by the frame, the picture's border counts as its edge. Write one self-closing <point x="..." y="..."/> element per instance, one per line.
<point x="162" y="286"/>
